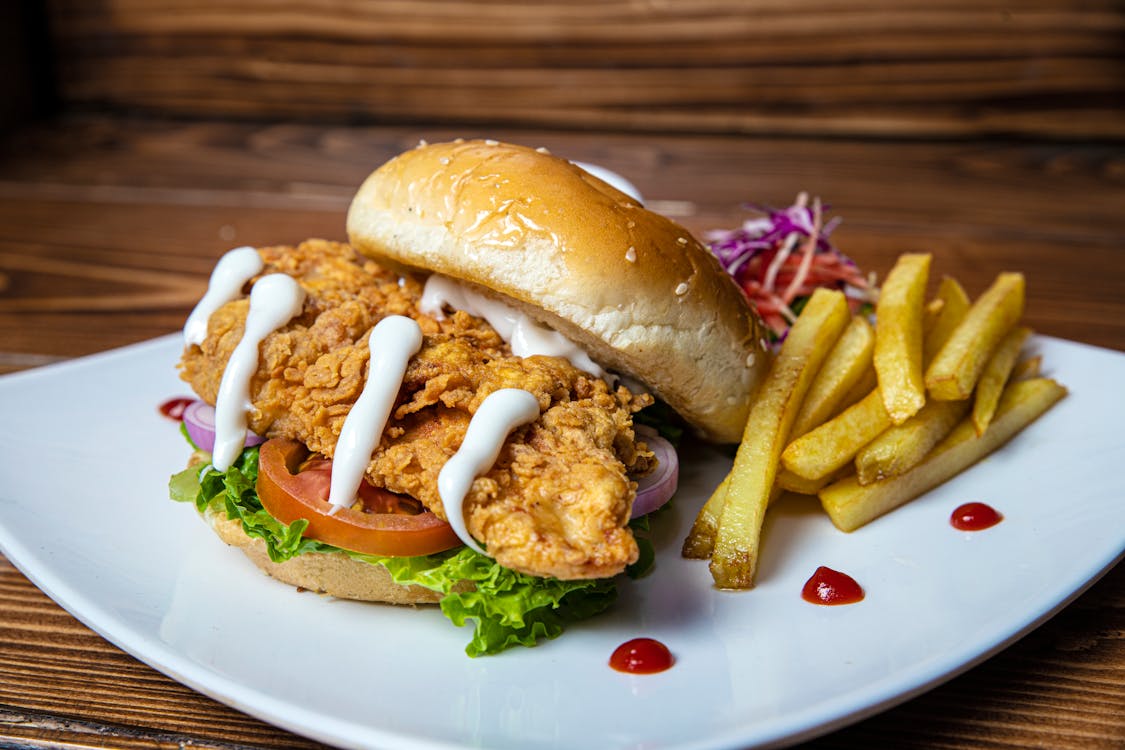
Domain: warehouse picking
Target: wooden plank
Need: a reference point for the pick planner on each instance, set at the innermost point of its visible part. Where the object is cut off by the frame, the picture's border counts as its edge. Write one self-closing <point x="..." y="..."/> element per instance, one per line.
<point x="27" y="86"/>
<point x="143" y="209"/>
<point x="925" y="68"/>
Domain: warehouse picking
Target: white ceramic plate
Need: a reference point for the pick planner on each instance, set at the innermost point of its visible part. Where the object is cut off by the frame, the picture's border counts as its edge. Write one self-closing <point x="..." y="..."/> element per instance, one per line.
<point x="83" y="512"/>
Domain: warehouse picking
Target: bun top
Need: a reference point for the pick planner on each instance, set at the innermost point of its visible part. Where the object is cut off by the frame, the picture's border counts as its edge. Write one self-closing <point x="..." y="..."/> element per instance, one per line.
<point x="641" y="295"/>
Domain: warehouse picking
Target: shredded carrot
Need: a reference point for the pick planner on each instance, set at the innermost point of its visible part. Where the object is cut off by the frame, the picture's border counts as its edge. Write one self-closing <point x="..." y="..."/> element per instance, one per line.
<point x="807" y="253"/>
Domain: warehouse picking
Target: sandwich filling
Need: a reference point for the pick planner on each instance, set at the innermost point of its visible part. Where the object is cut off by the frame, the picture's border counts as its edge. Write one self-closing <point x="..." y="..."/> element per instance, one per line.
<point x="556" y="500"/>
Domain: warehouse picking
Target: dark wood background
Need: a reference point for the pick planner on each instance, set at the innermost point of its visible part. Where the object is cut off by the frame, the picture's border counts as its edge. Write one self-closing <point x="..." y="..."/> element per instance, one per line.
<point x="114" y="223"/>
<point x="884" y="68"/>
<point x="139" y="139"/>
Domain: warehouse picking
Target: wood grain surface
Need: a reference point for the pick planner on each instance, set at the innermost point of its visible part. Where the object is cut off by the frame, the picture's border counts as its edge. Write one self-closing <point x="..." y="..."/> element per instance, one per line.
<point x="899" y="68"/>
<point x="109" y="227"/>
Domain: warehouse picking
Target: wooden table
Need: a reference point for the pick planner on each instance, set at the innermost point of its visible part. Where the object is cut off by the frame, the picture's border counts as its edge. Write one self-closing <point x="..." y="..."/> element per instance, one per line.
<point x="108" y="228"/>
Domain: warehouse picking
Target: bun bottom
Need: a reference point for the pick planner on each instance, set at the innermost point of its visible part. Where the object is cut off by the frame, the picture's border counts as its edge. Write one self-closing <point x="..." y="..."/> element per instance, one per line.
<point x="332" y="573"/>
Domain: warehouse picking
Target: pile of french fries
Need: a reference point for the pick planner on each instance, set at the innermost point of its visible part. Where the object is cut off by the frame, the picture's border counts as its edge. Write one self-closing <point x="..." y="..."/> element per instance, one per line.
<point x="869" y="417"/>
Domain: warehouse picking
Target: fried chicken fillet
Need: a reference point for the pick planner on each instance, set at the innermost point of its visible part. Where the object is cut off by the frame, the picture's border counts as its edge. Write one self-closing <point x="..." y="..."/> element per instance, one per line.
<point x="555" y="503"/>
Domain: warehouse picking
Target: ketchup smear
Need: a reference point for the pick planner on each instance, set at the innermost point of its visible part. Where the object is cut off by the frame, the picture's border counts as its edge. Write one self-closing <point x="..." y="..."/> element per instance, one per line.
<point x="830" y="587"/>
<point x="173" y="408"/>
<point x="641" y="656"/>
<point x="974" y="517"/>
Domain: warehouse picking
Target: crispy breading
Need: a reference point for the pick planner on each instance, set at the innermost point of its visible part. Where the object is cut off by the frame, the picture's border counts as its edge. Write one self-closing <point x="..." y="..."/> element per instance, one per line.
<point x="556" y="502"/>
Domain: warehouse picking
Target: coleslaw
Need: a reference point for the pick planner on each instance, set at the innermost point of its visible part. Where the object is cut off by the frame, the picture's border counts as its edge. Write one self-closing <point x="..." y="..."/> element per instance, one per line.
<point x="780" y="258"/>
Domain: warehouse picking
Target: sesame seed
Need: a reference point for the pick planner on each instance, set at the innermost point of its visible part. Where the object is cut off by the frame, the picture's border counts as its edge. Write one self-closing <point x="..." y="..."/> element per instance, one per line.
<point x="422" y="143"/>
<point x="682" y="288"/>
<point x="444" y="160"/>
<point x="631" y="255"/>
<point x="542" y="150"/>
<point x="459" y="140"/>
<point x="751" y="358"/>
<point x="682" y="240"/>
<point x="491" y="142"/>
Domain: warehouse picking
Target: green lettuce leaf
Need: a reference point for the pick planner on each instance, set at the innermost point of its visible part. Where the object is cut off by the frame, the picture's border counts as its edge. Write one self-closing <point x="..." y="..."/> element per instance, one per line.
<point x="646" y="557"/>
<point x="506" y="608"/>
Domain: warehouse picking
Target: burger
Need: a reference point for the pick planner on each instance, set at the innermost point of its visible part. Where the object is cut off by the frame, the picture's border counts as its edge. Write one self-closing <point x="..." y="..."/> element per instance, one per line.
<point x="456" y="406"/>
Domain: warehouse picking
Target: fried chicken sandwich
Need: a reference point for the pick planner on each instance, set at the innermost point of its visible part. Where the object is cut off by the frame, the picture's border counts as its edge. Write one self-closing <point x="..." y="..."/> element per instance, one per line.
<point x="444" y="409"/>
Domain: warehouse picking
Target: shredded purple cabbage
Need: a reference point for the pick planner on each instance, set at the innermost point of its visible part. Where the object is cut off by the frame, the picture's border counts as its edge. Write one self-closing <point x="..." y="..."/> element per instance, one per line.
<point x="736" y="247"/>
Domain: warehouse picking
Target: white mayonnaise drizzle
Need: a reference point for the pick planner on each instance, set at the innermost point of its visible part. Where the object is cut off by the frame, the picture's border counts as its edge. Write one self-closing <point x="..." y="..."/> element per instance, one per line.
<point x="277" y="298"/>
<point x="274" y="301"/>
<point x="500" y="413"/>
<point x="393" y="341"/>
<point x="233" y="270"/>
<point x="526" y="337"/>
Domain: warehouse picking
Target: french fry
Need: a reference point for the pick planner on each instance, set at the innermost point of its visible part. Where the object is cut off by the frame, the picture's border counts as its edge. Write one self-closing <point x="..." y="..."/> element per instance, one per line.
<point x="1026" y="369"/>
<point x="930" y="314"/>
<point x="734" y="559"/>
<point x="935" y="387"/>
<point x="958" y="365"/>
<point x="995" y="376"/>
<point x="898" y="336"/>
<point x="873" y="420"/>
<point x="867" y="383"/>
<point x="903" y="446"/>
<point x="700" y="541"/>
<point x="955" y="304"/>
<point x="851" y="505"/>
<point x="832" y="445"/>
<point x="787" y="480"/>
<point x="845" y="365"/>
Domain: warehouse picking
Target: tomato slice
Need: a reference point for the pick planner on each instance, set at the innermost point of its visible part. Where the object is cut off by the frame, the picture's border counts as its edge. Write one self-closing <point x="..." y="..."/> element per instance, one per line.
<point x="293" y="486"/>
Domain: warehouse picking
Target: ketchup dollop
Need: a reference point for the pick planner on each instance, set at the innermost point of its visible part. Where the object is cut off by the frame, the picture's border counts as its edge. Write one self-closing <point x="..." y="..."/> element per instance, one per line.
<point x="173" y="408"/>
<point x="641" y="656"/>
<point x="830" y="587"/>
<point x="974" y="517"/>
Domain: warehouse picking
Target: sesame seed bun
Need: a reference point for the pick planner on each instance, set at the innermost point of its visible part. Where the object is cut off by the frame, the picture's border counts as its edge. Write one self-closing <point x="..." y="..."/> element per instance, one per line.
<point x="641" y="295"/>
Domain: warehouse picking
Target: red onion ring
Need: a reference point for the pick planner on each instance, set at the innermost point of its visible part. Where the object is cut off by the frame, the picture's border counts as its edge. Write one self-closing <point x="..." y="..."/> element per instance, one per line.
<point x="199" y="419"/>
<point x="657" y="487"/>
